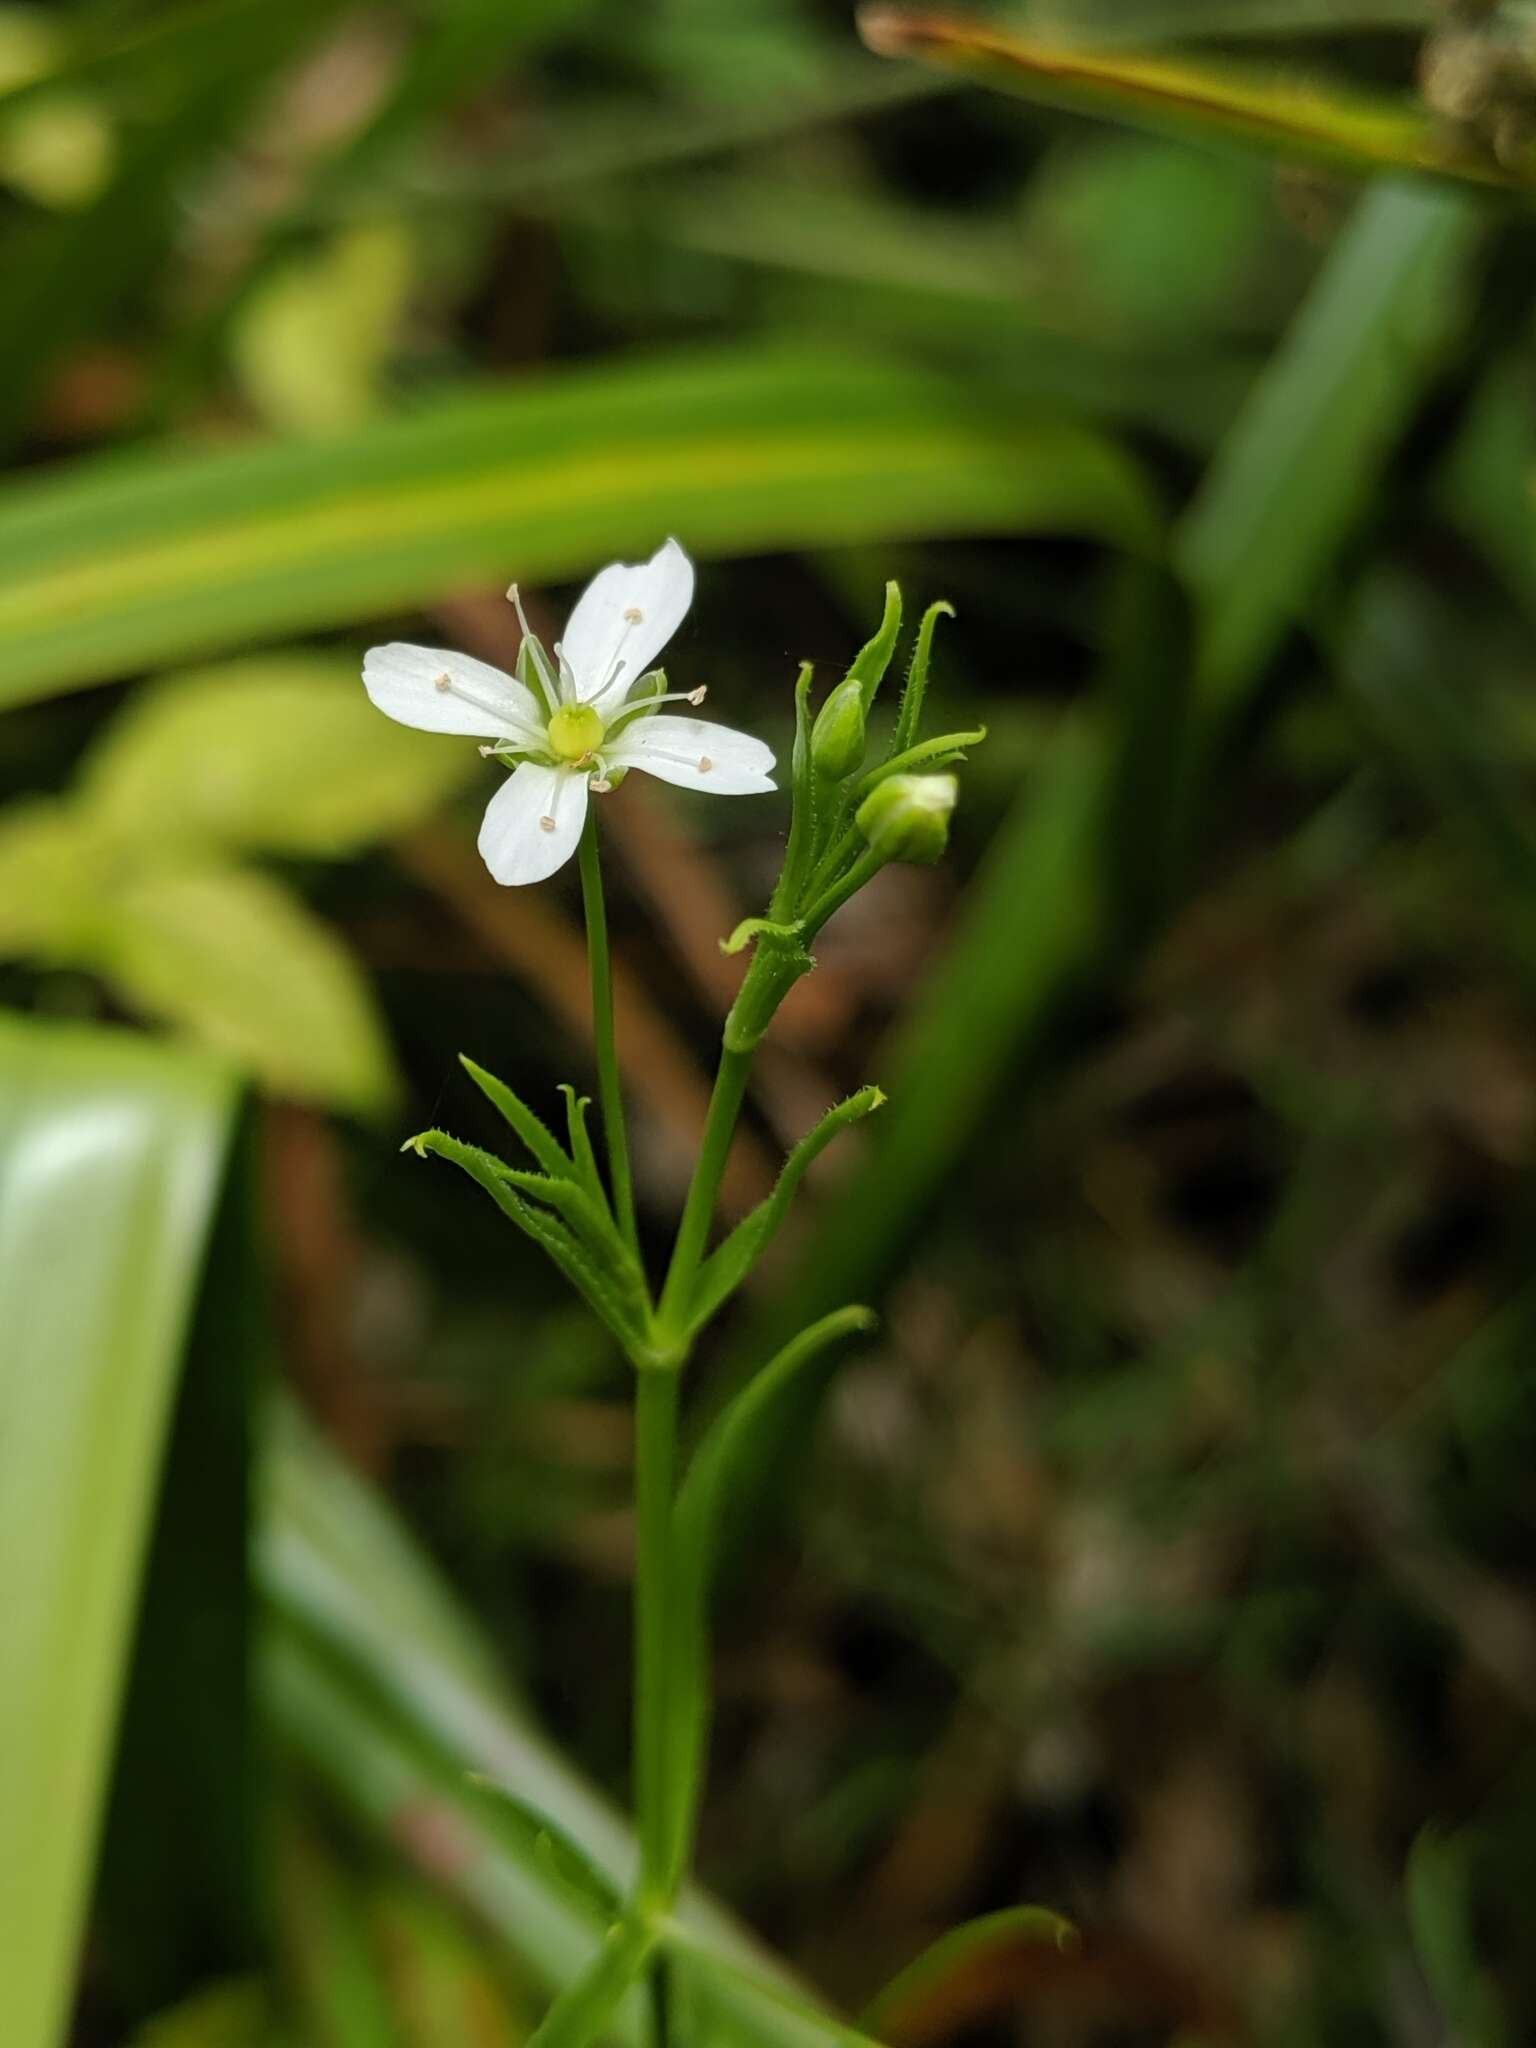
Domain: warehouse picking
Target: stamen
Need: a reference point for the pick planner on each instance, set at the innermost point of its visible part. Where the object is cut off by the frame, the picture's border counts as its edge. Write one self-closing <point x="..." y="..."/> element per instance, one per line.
<point x="568" y="690"/>
<point x="505" y="719"/>
<point x="629" y="713"/>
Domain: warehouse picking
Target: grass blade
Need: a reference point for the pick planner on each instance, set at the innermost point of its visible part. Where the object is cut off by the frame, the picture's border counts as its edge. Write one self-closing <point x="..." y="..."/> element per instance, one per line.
<point x="109" y="1171"/>
<point x="115" y="565"/>
<point x="1201" y="99"/>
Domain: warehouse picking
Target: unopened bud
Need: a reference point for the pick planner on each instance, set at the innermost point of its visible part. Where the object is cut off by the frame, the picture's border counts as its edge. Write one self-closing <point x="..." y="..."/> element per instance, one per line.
<point x="906" y="817"/>
<point x="837" y="737"/>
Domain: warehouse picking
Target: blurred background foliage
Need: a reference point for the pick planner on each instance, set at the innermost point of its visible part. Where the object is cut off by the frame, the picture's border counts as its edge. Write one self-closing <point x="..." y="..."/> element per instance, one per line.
<point x="1167" y="1560"/>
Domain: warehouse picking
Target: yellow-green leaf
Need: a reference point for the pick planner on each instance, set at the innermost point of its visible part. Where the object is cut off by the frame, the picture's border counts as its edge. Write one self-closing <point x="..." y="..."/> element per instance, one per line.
<point x="281" y="752"/>
<point x="114" y="565"/>
<point x="50" y="877"/>
<point x="234" y="959"/>
<point x="311" y="347"/>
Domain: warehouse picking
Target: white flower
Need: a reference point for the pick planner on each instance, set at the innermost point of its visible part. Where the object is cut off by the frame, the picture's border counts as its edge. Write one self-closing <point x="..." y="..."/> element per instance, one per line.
<point x="571" y="725"/>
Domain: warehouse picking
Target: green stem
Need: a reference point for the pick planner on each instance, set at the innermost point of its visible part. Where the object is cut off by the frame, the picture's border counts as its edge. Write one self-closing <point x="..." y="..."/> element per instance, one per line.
<point x="655" y="1485"/>
<point x="609" y="1094"/>
<point x="698" y="1211"/>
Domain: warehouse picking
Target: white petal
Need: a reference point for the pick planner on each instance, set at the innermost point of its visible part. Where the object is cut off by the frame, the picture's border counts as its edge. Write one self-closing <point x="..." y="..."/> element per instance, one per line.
<point x="533" y="822"/>
<point x="406" y="682"/>
<point x="694" y="754"/>
<point x="628" y="612"/>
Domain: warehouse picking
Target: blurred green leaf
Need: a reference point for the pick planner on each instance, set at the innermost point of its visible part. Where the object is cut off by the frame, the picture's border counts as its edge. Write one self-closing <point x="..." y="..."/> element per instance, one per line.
<point x="109" y="1171"/>
<point x="189" y="94"/>
<point x="1437" y="1886"/>
<point x="1154" y="21"/>
<point x="567" y="1862"/>
<point x="1273" y="109"/>
<point x="51" y="866"/>
<point x="311" y="346"/>
<point x="338" y="1985"/>
<point x="906" y="2004"/>
<point x="445" y="1989"/>
<point x="113" y="565"/>
<point x="234" y="2015"/>
<point x="276" y="753"/>
<point x="1298" y="467"/>
<point x="234" y="957"/>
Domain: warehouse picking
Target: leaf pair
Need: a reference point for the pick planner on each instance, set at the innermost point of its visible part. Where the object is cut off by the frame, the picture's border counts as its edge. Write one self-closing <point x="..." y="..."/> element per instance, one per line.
<point x="563" y="1207"/>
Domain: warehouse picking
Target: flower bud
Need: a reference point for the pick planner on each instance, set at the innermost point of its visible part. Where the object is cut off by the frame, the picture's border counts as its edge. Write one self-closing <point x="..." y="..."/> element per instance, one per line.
<point x="906" y="817"/>
<point x="837" y="737"/>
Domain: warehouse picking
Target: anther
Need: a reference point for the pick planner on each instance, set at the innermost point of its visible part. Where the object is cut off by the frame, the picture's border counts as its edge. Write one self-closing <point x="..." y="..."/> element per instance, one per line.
<point x="697" y="696"/>
<point x="443" y="683"/>
<point x="600" y="784"/>
<point x="705" y="764"/>
<point x="634" y="614"/>
<point x="546" y="824"/>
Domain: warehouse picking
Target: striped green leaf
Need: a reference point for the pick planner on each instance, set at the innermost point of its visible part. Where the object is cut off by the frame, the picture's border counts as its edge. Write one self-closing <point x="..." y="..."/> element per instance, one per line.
<point x="114" y="565"/>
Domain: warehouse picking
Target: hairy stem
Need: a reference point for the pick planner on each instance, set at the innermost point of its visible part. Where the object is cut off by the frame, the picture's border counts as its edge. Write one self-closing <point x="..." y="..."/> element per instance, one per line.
<point x="704" y="1189"/>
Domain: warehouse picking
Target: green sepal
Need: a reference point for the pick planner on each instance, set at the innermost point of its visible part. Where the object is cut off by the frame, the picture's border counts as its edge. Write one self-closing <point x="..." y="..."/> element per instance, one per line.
<point x="935" y="753"/>
<point x="874" y="657"/>
<point x="727" y="1266"/>
<point x="532" y="1129"/>
<point x="696" y="1522"/>
<point x="602" y="1273"/>
<point x="838" y="736"/>
<point x="910" y="714"/>
<point x="802" y="815"/>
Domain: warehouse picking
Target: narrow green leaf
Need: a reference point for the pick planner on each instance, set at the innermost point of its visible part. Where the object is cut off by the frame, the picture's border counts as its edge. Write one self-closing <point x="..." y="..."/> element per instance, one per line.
<point x="568" y="1862"/>
<point x="1203" y="99"/>
<point x="615" y="1294"/>
<point x="701" y="1502"/>
<point x="802" y="818"/>
<point x="962" y="1949"/>
<point x="126" y="562"/>
<point x="534" y="1132"/>
<point x="579" y="2015"/>
<point x="233" y="957"/>
<point x="729" y="1264"/>
<point x="576" y="1107"/>
<point x="111" y="1153"/>
<point x="909" y="718"/>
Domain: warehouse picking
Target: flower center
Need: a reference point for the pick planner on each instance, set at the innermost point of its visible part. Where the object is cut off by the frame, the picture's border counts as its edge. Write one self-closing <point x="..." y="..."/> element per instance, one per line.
<point x="574" y="732"/>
